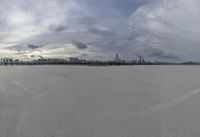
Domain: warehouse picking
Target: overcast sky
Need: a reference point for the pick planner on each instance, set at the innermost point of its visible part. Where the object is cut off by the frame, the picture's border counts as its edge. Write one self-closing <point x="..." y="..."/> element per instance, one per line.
<point x="167" y="30"/>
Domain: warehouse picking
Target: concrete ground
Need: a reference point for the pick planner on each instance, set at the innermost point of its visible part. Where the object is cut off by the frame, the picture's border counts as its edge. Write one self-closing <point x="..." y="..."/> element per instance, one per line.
<point x="117" y="101"/>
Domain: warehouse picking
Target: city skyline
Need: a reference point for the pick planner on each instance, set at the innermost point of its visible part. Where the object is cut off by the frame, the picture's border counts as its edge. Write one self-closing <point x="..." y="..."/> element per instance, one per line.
<point x="164" y="30"/>
<point x="89" y="62"/>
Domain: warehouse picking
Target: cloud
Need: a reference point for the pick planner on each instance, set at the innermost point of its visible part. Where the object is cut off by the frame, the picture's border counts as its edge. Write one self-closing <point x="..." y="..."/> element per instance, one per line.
<point x="169" y="25"/>
<point x="100" y="31"/>
<point x="16" y="47"/>
<point x="57" y="28"/>
<point x="80" y="45"/>
<point x="32" y="46"/>
<point x="88" y="21"/>
<point x="161" y="53"/>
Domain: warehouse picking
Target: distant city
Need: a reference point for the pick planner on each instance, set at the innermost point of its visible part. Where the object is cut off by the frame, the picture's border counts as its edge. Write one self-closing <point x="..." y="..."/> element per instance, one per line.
<point x="77" y="61"/>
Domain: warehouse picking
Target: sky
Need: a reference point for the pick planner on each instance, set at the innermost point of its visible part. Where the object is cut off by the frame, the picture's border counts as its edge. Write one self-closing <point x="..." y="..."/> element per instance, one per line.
<point x="165" y="30"/>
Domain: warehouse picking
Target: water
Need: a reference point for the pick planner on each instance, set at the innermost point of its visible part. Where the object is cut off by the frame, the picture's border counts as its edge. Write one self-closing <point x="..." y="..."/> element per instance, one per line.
<point x="81" y="101"/>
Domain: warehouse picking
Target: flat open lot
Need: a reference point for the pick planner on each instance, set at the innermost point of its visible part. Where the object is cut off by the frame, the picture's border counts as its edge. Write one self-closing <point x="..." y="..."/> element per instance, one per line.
<point x="81" y="101"/>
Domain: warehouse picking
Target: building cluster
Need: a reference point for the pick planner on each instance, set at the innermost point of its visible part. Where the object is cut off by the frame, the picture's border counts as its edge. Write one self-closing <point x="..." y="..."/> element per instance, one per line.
<point x="77" y="61"/>
<point x="7" y="61"/>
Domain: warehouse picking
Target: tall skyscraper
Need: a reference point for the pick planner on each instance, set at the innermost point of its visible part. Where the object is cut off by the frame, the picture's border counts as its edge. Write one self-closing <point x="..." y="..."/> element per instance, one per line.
<point x="117" y="58"/>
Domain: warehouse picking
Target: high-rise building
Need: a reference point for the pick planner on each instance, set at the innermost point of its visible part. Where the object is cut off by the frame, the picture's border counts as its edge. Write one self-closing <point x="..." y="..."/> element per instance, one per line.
<point x="117" y="58"/>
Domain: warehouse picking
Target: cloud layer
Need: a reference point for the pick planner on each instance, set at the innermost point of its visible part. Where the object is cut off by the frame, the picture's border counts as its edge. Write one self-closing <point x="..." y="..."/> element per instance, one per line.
<point x="166" y="30"/>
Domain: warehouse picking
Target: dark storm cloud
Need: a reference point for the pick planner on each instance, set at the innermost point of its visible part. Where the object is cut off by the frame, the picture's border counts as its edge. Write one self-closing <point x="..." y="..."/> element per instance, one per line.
<point x="32" y="46"/>
<point x="57" y="28"/>
<point x="79" y="45"/>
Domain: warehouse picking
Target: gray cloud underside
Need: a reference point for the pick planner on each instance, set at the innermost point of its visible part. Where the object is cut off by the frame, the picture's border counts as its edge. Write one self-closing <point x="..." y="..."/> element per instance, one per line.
<point x="80" y="45"/>
<point x="57" y="28"/>
<point x="32" y="46"/>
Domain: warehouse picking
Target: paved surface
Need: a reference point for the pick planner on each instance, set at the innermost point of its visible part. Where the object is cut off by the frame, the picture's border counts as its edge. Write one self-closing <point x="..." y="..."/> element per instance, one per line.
<point x="78" y="101"/>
